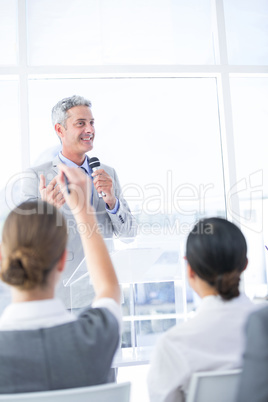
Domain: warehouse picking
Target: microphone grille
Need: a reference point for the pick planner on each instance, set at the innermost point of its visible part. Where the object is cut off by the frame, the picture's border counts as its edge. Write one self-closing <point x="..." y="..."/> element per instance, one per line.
<point x="94" y="162"/>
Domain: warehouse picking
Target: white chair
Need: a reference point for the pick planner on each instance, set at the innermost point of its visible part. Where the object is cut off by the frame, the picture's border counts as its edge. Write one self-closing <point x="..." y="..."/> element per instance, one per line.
<point x="214" y="386"/>
<point x="111" y="392"/>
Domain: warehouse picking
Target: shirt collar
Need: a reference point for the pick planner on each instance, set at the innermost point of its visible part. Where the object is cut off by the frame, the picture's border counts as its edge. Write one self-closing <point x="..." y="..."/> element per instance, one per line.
<point x="33" y="310"/>
<point x="212" y="302"/>
<point x="70" y="163"/>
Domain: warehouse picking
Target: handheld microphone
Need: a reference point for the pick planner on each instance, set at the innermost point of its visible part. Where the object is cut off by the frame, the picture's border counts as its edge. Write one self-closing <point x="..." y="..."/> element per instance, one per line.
<point x="94" y="163"/>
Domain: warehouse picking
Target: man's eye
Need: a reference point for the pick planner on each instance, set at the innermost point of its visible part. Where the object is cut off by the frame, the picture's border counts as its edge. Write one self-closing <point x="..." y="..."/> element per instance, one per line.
<point x="80" y="123"/>
<point x="92" y="123"/>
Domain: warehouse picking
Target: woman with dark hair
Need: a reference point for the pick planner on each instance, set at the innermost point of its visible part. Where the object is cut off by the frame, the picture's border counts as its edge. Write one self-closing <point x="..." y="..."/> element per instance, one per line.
<point x="213" y="339"/>
<point x="43" y="346"/>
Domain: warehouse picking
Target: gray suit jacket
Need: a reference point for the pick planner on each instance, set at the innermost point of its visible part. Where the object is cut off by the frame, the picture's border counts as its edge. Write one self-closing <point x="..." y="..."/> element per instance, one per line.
<point x="121" y="224"/>
<point x="254" y="380"/>
<point x="75" y="354"/>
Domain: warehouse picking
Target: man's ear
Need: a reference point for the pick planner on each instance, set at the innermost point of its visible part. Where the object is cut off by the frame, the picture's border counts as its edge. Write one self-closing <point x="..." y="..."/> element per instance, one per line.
<point x="59" y="130"/>
<point x="0" y="252"/>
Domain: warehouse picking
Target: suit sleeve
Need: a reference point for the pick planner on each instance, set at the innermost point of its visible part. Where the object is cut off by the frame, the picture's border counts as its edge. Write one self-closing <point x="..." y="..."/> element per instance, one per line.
<point x="124" y="223"/>
<point x="254" y="379"/>
<point x="29" y="186"/>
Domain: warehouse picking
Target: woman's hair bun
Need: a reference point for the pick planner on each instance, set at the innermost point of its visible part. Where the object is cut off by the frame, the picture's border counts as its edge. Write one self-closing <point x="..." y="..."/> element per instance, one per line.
<point x="34" y="238"/>
<point x="22" y="268"/>
<point x="227" y="285"/>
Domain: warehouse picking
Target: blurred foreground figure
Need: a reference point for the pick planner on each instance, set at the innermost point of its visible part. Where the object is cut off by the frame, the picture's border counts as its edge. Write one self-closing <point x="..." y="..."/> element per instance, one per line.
<point x="42" y="346"/>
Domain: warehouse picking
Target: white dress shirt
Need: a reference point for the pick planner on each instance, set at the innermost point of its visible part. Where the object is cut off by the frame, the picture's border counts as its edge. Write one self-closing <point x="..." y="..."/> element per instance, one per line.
<point x="46" y="313"/>
<point x="213" y="339"/>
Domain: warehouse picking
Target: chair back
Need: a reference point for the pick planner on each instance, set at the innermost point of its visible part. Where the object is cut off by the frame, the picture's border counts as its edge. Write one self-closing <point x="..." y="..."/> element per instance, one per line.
<point x="111" y="392"/>
<point x="214" y="386"/>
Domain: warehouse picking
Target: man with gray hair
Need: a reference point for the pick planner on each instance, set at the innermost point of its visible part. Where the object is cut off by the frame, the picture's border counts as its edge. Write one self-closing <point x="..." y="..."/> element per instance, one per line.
<point x="74" y="124"/>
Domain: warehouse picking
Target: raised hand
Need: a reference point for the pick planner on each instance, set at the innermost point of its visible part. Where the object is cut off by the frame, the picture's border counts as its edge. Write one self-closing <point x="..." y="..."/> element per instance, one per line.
<point x="52" y="192"/>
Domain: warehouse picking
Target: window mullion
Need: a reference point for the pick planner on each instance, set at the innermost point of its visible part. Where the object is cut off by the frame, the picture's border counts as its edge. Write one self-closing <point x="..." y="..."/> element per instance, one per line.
<point x="225" y="112"/>
<point x="23" y="84"/>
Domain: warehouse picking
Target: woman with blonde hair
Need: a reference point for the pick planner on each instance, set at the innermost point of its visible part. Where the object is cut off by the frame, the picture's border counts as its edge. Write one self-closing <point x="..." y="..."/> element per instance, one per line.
<point x="43" y="346"/>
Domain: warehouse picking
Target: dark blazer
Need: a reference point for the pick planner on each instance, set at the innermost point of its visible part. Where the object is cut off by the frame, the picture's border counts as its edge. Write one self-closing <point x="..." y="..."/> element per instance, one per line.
<point x="75" y="354"/>
<point x="254" y="380"/>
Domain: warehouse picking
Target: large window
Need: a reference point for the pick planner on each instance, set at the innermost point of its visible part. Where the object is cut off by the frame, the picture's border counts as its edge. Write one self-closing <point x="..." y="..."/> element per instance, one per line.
<point x="8" y="32"/>
<point x="250" y="117"/>
<point x="246" y="31"/>
<point x="101" y="32"/>
<point x="179" y="91"/>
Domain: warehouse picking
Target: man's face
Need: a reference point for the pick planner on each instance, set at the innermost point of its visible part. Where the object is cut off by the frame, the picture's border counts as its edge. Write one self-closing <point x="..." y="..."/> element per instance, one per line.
<point x="78" y="136"/>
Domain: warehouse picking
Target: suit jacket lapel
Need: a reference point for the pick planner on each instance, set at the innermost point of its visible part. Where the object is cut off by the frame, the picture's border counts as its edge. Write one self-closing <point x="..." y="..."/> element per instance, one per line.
<point x="56" y="162"/>
<point x="96" y="199"/>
